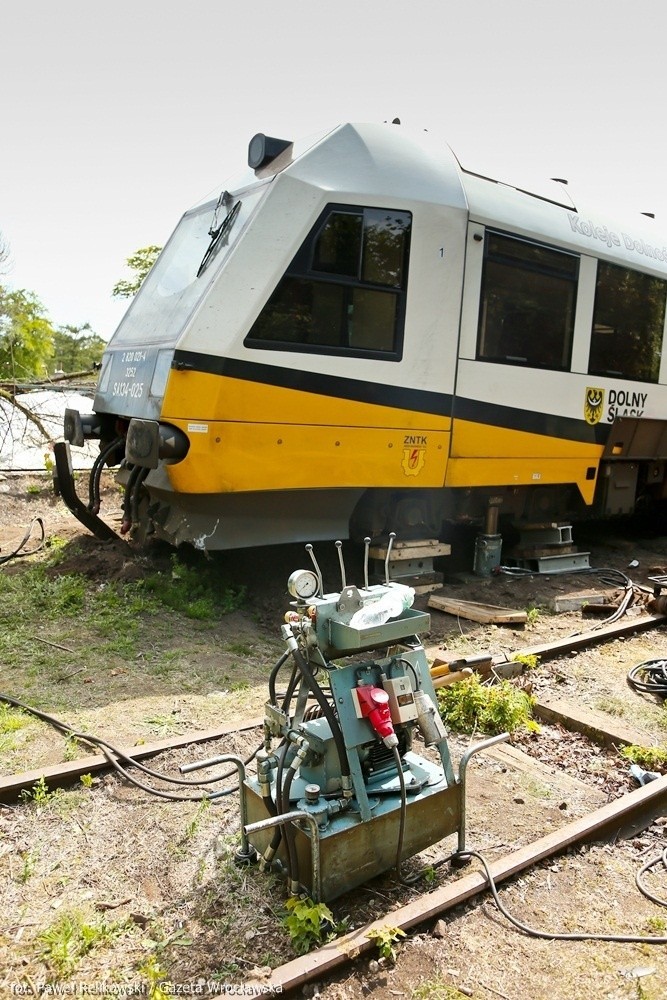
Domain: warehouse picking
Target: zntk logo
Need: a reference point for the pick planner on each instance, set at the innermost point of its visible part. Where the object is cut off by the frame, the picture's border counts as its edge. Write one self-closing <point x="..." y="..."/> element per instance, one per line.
<point x="413" y="460"/>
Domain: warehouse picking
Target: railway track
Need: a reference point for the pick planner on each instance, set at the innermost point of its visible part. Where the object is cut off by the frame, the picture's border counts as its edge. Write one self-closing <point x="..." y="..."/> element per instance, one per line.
<point x="634" y="810"/>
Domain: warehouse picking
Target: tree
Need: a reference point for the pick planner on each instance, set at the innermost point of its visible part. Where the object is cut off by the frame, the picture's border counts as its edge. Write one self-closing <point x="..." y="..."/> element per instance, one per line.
<point x="140" y="262"/>
<point x="26" y="336"/>
<point x="76" y="348"/>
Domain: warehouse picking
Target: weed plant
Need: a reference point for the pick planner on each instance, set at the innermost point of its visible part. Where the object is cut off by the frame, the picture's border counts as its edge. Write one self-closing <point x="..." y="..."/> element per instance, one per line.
<point x="650" y="758"/>
<point x="384" y="938"/>
<point x="70" y="937"/>
<point x="308" y="923"/>
<point x="470" y="705"/>
<point x="11" y="721"/>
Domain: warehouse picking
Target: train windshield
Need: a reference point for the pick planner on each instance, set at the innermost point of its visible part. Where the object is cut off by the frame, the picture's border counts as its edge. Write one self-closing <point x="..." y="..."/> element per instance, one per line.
<point x="184" y="270"/>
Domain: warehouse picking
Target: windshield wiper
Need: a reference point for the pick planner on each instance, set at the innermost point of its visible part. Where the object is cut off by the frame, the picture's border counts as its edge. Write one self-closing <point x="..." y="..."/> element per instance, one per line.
<point x="219" y="233"/>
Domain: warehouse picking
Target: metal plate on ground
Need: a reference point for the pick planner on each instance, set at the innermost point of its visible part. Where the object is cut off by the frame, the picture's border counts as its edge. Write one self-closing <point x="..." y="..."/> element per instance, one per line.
<point x="556" y="564"/>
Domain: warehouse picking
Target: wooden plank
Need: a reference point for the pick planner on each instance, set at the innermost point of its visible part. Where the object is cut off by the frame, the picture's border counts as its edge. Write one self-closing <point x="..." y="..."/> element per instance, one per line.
<point x="477" y="612"/>
<point x="57" y="775"/>
<point x="603" y="729"/>
<point x="408" y="550"/>
<point x="647" y="801"/>
<point x="552" y="650"/>
<point x="514" y="757"/>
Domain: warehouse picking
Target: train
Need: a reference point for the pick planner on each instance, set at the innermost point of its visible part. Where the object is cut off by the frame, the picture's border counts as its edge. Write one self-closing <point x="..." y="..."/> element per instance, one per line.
<point x="360" y="336"/>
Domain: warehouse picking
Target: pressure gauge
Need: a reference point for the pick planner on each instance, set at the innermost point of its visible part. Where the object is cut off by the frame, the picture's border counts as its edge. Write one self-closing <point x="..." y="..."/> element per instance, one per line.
<point x="303" y="584"/>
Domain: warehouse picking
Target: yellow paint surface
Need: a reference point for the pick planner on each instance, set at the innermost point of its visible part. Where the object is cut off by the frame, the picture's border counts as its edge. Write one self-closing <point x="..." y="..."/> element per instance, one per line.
<point x="248" y="436"/>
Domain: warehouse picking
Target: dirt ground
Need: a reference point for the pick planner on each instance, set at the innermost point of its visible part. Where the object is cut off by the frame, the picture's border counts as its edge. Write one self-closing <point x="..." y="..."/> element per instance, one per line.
<point x="159" y="874"/>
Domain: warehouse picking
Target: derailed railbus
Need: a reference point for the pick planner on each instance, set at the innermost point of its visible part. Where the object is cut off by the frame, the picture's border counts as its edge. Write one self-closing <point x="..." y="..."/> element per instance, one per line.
<point x="361" y="336"/>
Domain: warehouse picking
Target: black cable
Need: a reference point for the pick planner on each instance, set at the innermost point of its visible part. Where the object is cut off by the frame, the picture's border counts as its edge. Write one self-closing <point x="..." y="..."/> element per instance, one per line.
<point x="108" y="749"/>
<point x="274" y="674"/>
<point x="134" y="496"/>
<point x="290" y="833"/>
<point x="610" y="576"/>
<point x="401" y="824"/>
<point x="17" y="553"/>
<point x="662" y="857"/>
<point x="553" y="936"/>
<point x="327" y="710"/>
<point x="649" y="677"/>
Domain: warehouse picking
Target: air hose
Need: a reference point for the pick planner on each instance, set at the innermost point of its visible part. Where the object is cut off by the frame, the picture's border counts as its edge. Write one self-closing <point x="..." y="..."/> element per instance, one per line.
<point x="96" y="474"/>
<point x="649" y="677"/>
<point x="552" y="935"/>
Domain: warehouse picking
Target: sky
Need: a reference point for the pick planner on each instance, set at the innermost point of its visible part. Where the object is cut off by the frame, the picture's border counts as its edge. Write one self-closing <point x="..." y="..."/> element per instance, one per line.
<point x="118" y="116"/>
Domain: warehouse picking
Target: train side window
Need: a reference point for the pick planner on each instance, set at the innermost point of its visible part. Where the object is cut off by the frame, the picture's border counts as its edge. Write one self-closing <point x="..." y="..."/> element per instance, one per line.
<point x="628" y="322"/>
<point x="527" y="304"/>
<point x="344" y="292"/>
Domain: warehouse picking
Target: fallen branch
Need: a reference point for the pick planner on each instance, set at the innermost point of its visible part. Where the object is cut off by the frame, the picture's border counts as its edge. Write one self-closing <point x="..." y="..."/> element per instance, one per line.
<point x="27" y="414"/>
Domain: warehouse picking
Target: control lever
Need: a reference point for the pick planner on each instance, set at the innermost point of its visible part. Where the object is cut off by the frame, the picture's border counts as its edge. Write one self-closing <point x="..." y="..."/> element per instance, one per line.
<point x="392" y="536"/>
<point x="339" y="546"/>
<point x="367" y="545"/>
<point x="311" y="553"/>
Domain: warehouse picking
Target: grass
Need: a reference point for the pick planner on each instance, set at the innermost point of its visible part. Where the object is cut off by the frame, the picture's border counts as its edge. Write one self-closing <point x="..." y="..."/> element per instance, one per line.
<point x="198" y="592"/>
<point x="113" y="609"/>
<point x="612" y="706"/>
<point x="70" y="646"/>
<point x="437" y="989"/>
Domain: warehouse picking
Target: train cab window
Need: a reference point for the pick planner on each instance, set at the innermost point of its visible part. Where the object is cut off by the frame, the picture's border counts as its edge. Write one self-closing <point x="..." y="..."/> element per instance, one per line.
<point x="344" y="292"/>
<point x="628" y="323"/>
<point x="527" y="304"/>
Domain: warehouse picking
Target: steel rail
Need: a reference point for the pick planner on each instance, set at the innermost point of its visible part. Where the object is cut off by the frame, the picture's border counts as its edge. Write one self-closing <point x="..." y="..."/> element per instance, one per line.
<point x="643" y="803"/>
<point x="58" y="775"/>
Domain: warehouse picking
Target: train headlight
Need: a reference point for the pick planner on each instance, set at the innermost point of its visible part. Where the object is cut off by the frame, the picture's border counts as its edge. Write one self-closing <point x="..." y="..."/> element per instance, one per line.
<point x="264" y="148"/>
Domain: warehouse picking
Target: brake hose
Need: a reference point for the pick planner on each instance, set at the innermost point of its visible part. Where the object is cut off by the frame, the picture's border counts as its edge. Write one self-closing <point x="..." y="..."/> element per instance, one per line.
<point x="96" y="474"/>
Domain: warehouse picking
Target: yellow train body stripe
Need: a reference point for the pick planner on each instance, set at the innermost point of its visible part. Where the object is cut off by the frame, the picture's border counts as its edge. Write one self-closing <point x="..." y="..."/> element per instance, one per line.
<point x="497" y="456"/>
<point x="493" y="472"/>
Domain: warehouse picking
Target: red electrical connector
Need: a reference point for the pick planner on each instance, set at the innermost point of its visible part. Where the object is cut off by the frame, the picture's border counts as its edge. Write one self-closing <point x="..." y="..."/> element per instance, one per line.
<point x="372" y="703"/>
